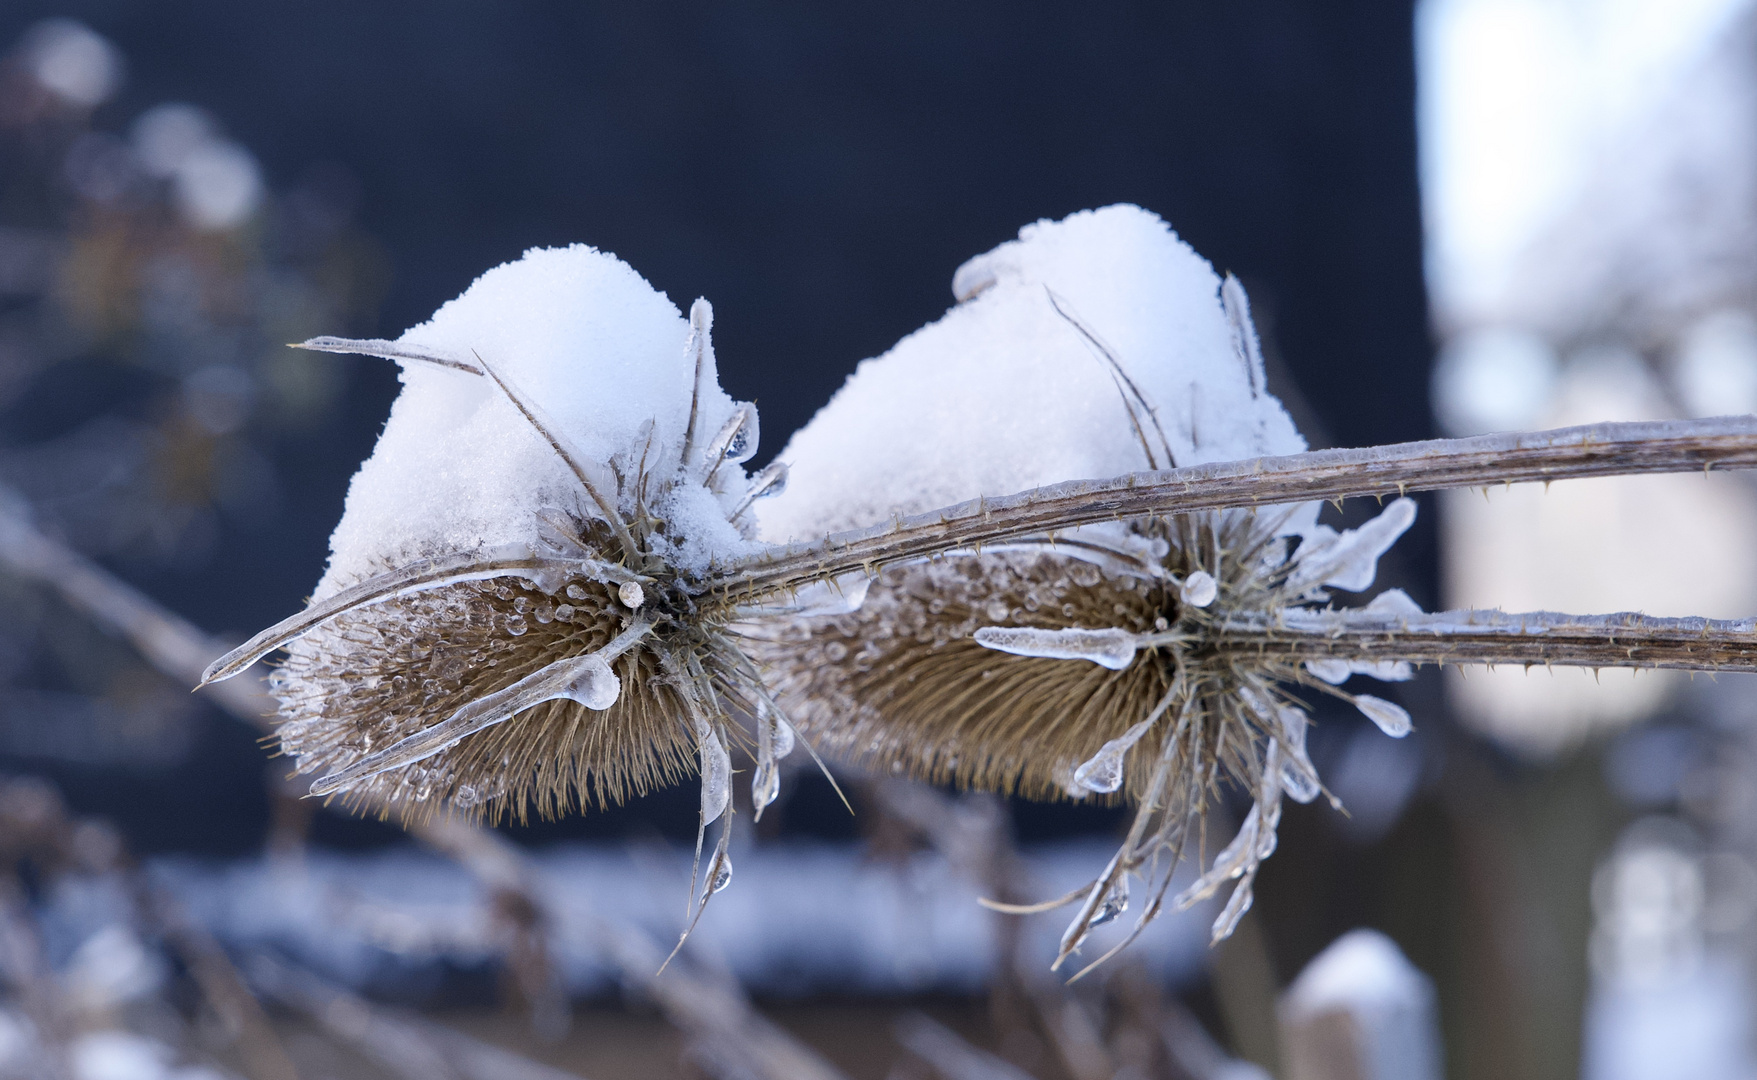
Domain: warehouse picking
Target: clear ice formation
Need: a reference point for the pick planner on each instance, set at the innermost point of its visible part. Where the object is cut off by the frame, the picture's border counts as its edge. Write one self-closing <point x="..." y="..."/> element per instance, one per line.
<point x="1392" y="719"/>
<point x="1103" y="771"/>
<point x="1350" y="560"/>
<point x="1199" y="589"/>
<point x="1111" y="648"/>
<point x="716" y="765"/>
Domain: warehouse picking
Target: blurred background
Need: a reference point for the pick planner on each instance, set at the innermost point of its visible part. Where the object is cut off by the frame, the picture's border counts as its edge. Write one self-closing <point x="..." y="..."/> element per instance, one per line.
<point x="1453" y="216"/>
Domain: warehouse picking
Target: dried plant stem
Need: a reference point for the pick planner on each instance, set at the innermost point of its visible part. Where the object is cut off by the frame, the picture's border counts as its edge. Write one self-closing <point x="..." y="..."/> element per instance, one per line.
<point x="1565" y="453"/>
<point x="1625" y="639"/>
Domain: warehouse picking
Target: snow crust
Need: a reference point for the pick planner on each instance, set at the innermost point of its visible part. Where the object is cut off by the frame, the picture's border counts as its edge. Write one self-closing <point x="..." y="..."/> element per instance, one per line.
<point x="1004" y="394"/>
<point x="458" y="468"/>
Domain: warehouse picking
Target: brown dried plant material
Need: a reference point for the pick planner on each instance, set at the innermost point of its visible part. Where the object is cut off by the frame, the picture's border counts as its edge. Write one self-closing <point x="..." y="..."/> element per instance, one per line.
<point x="1137" y="638"/>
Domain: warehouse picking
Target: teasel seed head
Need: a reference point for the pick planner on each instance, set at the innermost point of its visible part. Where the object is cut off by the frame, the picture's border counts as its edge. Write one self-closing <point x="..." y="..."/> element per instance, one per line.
<point x="514" y="619"/>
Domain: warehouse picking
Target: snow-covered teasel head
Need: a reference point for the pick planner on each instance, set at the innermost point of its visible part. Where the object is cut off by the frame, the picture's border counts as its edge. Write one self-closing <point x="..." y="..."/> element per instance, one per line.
<point x="1093" y="662"/>
<point x="512" y="617"/>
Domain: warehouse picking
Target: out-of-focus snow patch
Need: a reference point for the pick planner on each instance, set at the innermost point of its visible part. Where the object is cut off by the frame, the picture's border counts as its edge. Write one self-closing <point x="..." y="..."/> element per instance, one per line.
<point x="803" y="919"/>
<point x="1361" y="1009"/>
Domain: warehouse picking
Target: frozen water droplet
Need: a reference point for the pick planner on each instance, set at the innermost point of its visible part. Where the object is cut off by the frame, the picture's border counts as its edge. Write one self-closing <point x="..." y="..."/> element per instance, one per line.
<point x="1103" y="772"/>
<point x="1394" y="602"/>
<point x="1111" y="648"/>
<point x="997" y="610"/>
<point x="515" y="625"/>
<point x="783" y="737"/>
<point x="1236" y="906"/>
<point x="722" y="875"/>
<point x="716" y="778"/>
<point x="1199" y="589"/>
<point x="1116" y="901"/>
<point x="1350" y="560"/>
<point x="1299" y="779"/>
<point x="743" y="443"/>
<point x="576" y="592"/>
<point x="1085" y="574"/>
<point x="631" y="594"/>
<point x="564" y="612"/>
<point x="770" y="482"/>
<point x="592" y="684"/>
<point x="1334" y="672"/>
<point x="544" y="613"/>
<point x="1392" y="719"/>
<point x="765" y="784"/>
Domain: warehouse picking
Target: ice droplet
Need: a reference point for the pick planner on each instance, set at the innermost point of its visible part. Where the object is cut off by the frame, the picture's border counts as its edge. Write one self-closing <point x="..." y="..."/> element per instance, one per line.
<point x="783" y="736"/>
<point x="1236" y="906"/>
<point x="1116" y="901"/>
<point x="770" y="482"/>
<point x="1394" y="602"/>
<point x="716" y="778"/>
<point x="1111" y="648"/>
<point x="765" y="784"/>
<point x="1199" y="589"/>
<point x="1299" y="779"/>
<point x="631" y="594"/>
<point x="1103" y="771"/>
<point x="1392" y="719"/>
<point x="722" y="874"/>
<point x="593" y="684"/>
<point x="1351" y="560"/>
<point x="742" y="445"/>
<point x="1334" y="672"/>
<point x="516" y="626"/>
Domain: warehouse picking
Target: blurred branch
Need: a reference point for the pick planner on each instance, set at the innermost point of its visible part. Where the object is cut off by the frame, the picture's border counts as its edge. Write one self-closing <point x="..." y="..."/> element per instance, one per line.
<point x="949" y="1053"/>
<point x="407" y="1046"/>
<point x="167" y="641"/>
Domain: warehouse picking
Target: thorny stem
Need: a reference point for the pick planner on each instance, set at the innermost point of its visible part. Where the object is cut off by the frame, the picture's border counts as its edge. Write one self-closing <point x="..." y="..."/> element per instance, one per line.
<point x="1625" y="639"/>
<point x="1623" y="449"/>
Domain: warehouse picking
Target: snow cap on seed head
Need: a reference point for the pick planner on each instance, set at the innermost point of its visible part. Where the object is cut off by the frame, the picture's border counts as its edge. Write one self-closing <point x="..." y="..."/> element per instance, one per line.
<point x="1004" y="393"/>
<point x="458" y="468"/>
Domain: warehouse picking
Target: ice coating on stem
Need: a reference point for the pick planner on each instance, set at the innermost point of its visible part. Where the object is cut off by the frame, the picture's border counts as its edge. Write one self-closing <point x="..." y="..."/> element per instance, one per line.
<point x="1003" y="393"/>
<point x="1114" y="649"/>
<point x="457" y="468"/>
<point x="716" y="766"/>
